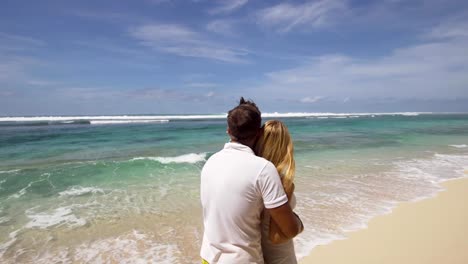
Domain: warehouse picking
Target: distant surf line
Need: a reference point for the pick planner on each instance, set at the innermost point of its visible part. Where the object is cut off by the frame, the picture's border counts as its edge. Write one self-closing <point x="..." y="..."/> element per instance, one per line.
<point x="164" y="118"/>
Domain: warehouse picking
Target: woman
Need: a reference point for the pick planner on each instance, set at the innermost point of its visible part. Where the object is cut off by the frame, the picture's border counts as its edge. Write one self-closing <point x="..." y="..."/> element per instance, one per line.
<point x="276" y="146"/>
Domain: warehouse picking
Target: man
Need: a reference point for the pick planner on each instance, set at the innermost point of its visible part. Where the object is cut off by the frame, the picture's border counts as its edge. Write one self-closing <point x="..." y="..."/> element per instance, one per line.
<point x="236" y="186"/>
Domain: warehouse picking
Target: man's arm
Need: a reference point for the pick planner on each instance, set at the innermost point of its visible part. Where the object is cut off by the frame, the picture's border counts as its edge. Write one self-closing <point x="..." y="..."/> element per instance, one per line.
<point x="276" y="203"/>
<point x="285" y="223"/>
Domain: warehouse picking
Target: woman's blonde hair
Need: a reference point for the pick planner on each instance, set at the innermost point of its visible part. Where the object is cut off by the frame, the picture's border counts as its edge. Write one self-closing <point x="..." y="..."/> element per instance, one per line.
<point x="276" y="145"/>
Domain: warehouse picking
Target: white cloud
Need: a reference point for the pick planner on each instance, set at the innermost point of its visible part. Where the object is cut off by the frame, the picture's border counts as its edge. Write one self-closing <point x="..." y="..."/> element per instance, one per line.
<point x="430" y="70"/>
<point x="450" y="29"/>
<point x="179" y="40"/>
<point x="202" y="85"/>
<point x="41" y="83"/>
<point x="311" y="99"/>
<point x="227" y="6"/>
<point x="164" y="33"/>
<point x="21" y="40"/>
<point x="222" y="26"/>
<point x="14" y="68"/>
<point x="285" y="16"/>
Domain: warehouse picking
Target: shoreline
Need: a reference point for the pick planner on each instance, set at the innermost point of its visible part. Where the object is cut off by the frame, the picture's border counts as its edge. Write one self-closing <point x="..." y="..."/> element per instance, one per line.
<point x="432" y="230"/>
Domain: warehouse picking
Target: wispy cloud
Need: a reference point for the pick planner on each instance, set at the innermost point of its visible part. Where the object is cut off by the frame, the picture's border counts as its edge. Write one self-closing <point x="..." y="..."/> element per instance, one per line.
<point x="227" y="6"/>
<point x="108" y="46"/>
<point x="107" y="16"/>
<point x="457" y="28"/>
<point x="224" y="27"/>
<point x="21" y="39"/>
<point x="202" y="85"/>
<point x="14" y="68"/>
<point x="179" y="40"/>
<point x="309" y="100"/>
<point x="311" y="15"/>
<point x="134" y="95"/>
<point x="429" y="70"/>
<point x="36" y="82"/>
<point x="17" y="43"/>
<point x="158" y="1"/>
<point x="15" y="59"/>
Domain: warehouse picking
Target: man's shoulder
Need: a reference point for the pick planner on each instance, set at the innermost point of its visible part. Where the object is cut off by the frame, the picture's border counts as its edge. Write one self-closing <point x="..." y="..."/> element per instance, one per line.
<point x="245" y="159"/>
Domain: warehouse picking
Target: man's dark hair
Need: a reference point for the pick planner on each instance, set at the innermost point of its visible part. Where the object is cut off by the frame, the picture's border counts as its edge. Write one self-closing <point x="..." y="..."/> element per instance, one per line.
<point x="244" y="120"/>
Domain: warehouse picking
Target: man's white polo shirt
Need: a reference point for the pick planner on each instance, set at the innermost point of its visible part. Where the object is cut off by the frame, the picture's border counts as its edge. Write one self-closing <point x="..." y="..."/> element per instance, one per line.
<point x="235" y="187"/>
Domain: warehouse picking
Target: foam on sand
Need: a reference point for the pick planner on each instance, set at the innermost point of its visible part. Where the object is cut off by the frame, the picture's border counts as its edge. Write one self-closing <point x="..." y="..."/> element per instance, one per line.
<point x="79" y="190"/>
<point x="134" y="247"/>
<point x="363" y="197"/>
<point x="58" y="217"/>
<point x="186" y="158"/>
<point x="13" y="237"/>
<point x="429" y="231"/>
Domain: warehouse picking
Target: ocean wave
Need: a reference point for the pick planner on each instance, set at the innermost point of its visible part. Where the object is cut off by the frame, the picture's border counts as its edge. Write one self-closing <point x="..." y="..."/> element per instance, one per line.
<point x="79" y="190"/>
<point x="69" y="119"/>
<point x="363" y="197"/>
<point x="186" y="158"/>
<point x="108" y="122"/>
<point x="107" y="118"/>
<point x="459" y="146"/>
<point x="21" y="192"/>
<point x="58" y="217"/>
<point x="10" y="171"/>
<point x="354" y="115"/>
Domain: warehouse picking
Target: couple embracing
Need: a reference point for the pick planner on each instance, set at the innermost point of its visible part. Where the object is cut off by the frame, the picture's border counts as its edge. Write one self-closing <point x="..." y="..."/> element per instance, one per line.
<point x="247" y="193"/>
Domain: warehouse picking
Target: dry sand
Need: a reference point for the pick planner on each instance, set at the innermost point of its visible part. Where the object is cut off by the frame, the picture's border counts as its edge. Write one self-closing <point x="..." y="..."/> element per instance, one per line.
<point x="424" y="232"/>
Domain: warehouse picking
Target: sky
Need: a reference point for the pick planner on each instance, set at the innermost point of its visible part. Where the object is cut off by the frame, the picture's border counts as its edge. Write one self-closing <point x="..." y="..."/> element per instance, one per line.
<point x="177" y="57"/>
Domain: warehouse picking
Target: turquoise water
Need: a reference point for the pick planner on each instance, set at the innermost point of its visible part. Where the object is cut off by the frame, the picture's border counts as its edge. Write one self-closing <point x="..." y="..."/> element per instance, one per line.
<point x="80" y="191"/>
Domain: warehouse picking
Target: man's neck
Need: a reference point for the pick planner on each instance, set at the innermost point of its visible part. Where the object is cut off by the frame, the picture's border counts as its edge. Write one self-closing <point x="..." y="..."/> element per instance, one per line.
<point x="249" y="143"/>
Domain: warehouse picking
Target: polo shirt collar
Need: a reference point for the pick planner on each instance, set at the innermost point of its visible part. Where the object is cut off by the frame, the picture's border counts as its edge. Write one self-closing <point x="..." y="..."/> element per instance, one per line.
<point x="238" y="146"/>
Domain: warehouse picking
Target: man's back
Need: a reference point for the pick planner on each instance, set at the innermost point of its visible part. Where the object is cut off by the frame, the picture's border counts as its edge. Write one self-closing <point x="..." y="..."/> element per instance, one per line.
<point x="235" y="187"/>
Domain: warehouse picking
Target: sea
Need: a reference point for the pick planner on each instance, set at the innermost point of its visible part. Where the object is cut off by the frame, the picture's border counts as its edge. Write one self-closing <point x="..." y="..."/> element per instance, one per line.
<point x="125" y="189"/>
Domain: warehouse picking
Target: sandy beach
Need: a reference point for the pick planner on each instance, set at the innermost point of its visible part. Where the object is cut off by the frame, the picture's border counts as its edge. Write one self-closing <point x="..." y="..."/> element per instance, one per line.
<point x="434" y="230"/>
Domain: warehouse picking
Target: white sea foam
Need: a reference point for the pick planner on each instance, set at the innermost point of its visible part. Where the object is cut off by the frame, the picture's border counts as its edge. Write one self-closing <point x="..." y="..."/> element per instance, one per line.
<point x="20" y="192"/>
<point x="134" y="247"/>
<point x="364" y="197"/>
<point x="10" y="171"/>
<point x="1" y="182"/>
<point x="13" y="237"/>
<point x="459" y="146"/>
<point x="58" y="217"/>
<point x="186" y="158"/>
<point x="79" y="190"/>
<point x="4" y="219"/>
<point x="189" y="117"/>
<point x="23" y="191"/>
<point x="107" y="118"/>
<point x="57" y="256"/>
<point x="107" y="122"/>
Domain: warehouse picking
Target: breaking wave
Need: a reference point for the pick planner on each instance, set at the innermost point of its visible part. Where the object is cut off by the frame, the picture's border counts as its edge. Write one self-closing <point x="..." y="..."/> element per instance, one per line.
<point x="186" y="158"/>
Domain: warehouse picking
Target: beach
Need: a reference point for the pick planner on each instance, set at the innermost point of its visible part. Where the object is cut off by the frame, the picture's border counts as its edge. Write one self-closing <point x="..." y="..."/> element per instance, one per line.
<point x="125" y="189"/>
<point x="434" y="230"/>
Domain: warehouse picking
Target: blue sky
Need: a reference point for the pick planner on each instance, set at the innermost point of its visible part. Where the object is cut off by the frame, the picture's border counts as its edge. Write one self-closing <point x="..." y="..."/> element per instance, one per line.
<point x="171" y="56"/>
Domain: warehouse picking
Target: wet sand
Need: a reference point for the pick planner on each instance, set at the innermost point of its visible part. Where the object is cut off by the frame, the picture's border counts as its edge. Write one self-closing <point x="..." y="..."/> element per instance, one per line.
<point x="430" y="231"/>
